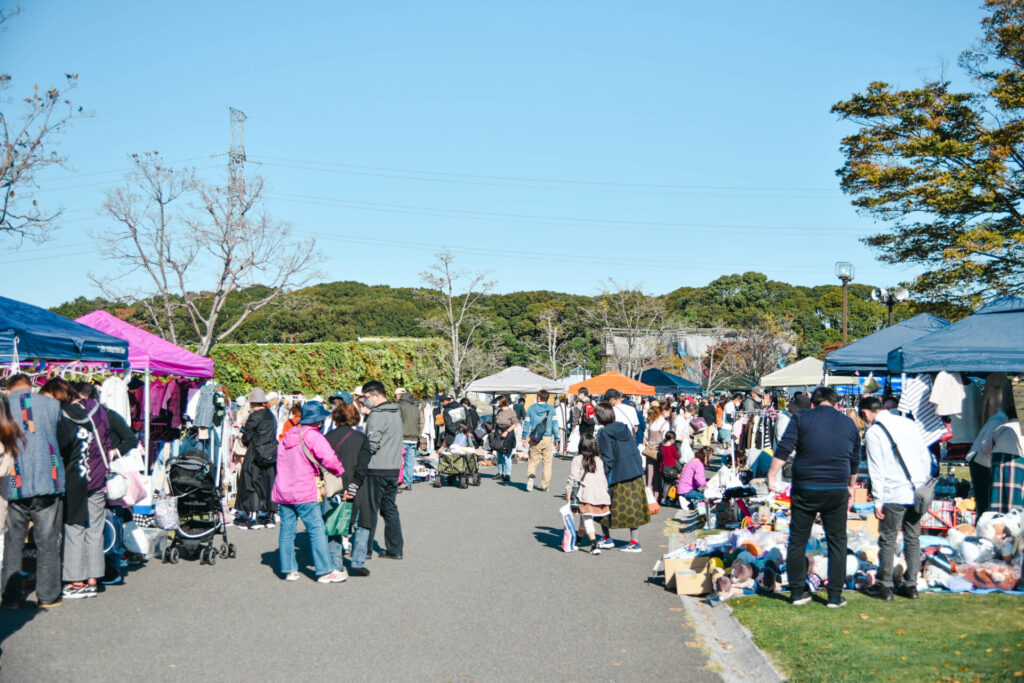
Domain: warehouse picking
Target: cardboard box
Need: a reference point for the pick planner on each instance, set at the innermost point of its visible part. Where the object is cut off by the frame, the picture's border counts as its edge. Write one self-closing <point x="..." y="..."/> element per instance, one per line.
<point x="689" y="575"/>
<point x="860" y="495"/>
<point x="868" y="523"/>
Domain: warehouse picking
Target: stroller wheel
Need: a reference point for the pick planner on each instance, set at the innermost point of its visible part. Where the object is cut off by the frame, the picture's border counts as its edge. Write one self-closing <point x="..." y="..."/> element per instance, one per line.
<point x="464" y="482"/>
<point x="166" y="556"/>
<point x="223" y="550"/>
<point x="202" y="556"/>
<point x="231" y="549"/>
<point x="476" y="479"/>
<point x="173" y="555"/>
<point x="211" y="556"/>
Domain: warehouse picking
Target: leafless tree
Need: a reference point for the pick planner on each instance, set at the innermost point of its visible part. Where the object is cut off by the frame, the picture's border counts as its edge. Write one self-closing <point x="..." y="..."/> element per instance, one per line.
<point x="222" y="237"/>
<point x="28" y="148"/>
<point x="553" y="346"/>
<point x="719" y="357"/>
<point x="627" y="313"/>
<point x="763" y="343"/>
<point x="456" y="294"/>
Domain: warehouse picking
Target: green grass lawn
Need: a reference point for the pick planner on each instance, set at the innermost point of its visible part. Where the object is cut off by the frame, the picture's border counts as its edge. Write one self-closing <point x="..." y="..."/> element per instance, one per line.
<point x="941" y="637"/>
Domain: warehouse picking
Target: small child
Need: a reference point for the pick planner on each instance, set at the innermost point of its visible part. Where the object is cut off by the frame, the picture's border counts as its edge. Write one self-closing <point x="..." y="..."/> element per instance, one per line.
<point x="587" y="471"/>
<point x="668" y="464"/>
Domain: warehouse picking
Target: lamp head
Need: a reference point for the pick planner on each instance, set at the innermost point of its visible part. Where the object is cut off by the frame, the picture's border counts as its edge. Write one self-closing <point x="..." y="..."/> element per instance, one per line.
<point x="900" y="293"/>
<point x="844" y="270"/>
<point x="879" y="294"/>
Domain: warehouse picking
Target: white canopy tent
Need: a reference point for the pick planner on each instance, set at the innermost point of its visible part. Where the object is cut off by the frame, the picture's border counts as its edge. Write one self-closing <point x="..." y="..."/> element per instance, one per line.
<point x="515" y="380"/>
<point x="805" y="372"/>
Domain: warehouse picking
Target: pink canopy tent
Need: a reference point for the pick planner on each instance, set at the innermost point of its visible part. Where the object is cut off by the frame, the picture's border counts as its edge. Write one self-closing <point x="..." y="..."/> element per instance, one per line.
<point x="147" y="351"/>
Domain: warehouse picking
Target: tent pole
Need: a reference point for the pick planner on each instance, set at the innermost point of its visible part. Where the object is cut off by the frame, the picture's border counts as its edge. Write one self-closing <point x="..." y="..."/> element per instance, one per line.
<point x="145" y="417"/>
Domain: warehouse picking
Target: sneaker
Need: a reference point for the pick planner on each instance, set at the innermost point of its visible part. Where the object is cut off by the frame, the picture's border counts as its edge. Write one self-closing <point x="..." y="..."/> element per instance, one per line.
<point x="333" y="577"/>
<point x="113" y="579"/>
<point x="292" y="576"/>
<point x="49" y="605"/>
<point x="529" y="483"/>
<point x="90" y="591"/>
<point x="909" y="592"/>
<point x="72" y="593"/>
<point x="508" y="477"/>
<point x="802" y="600"/>
<point x="879" y="592"/>
<point x="267" y="522"/>
<point x="606" y="544"/>
<point x="632" y="548"/>
<point x="255" y="524"/>
<point x="595" y="549"/>
<point x="837" y="602"/>
<point x="359" y="571"/>
<point x="243" y="524"/>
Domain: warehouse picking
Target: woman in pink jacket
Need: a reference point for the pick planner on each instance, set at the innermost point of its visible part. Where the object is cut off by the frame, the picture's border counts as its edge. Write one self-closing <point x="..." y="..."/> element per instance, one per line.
<point x="295" y="489"/>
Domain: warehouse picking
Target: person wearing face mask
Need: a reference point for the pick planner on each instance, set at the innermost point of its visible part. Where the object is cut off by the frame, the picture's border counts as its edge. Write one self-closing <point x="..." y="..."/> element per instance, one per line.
<point x="377" y="470"/>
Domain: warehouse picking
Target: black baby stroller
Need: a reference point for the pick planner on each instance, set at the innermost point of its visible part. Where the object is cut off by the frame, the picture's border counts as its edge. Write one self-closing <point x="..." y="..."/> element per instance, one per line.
<point x="459" y="467"/>
<point x="192" y="482"/>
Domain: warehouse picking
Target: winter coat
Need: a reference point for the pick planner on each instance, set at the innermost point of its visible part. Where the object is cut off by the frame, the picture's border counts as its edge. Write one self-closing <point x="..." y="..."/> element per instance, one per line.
<point x="384" y="432"/>
<point x="593" y="485"/>
<point x="410" y="418"/>
<point x="622" y="460"/>
<point x="85" y="442"/>
<point x="350" y="451"/>
<point x="296" y="475"/>
<point x="39" y="470"/>
<point x="260" y="437"/>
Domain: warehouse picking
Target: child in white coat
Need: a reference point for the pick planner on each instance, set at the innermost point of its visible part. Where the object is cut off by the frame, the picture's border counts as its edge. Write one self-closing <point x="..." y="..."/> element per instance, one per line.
<point x="590" y="484"/>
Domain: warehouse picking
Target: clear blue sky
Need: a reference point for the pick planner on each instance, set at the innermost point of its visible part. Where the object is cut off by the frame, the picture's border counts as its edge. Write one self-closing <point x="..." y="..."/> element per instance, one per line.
<point x="675" y="121"/>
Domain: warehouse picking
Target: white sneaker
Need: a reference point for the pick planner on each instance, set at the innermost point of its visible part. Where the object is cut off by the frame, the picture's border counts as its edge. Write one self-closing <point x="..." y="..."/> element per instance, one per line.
<point x="631" y="548"/>
<point x="292" y="576"/>
<point x="333" y="577"/>
<point x="529" y="483"/>
<point x="606" y="544"/>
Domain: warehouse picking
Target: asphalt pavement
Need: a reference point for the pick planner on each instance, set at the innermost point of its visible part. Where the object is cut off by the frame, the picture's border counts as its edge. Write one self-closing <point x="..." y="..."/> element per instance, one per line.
<point x="484" y="593"/>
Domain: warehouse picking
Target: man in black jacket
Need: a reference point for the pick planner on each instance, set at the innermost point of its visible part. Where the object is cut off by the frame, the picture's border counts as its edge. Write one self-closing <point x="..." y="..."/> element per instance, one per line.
<point x="410" y="434"/>
<point x="455" y="417"/>
<point x="827" y="446"/>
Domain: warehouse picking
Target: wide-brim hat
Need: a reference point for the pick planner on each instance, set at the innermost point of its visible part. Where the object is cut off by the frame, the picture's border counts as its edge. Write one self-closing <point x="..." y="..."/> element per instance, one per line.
<point x="257" y="395"/>
<point x="313" y="412"/>
<point x="342" y="395"/>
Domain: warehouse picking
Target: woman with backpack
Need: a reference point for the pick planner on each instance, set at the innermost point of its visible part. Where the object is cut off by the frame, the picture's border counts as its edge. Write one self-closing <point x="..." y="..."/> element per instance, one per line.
<point x="256" y="477"/>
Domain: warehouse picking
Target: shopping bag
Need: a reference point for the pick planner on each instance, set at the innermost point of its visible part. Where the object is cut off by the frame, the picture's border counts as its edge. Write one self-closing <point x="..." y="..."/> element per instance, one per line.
<point x="569" y="534"/>
<point x="130" y="468"/>
<point x="166" y="512"/>
<point x="339" y="519"/>
<point x="574" y="441"/>
<point x="652" y="502"/>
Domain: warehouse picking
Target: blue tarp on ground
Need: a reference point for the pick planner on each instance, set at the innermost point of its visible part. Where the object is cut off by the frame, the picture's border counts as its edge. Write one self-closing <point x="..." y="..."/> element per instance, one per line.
<point x="871" y="353"/>
<point x="38" y="334"/>
<point x="991" y="340"/>
<point x="667" y="383"/>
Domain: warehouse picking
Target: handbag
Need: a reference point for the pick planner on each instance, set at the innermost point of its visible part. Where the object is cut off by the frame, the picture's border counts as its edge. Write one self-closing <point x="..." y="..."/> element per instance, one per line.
<point x="116" y="485"/>
<point x="339" y="519"/>
<point x="651" y="452"/>
<point x="480" y="432"/>
<point x="924" y="493"/>
<point x="670" y="473"/>
<point x="332" y="484"/>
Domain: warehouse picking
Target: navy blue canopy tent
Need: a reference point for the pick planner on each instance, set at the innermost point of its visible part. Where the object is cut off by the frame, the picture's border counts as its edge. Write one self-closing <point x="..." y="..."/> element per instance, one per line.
<point x="991" y="340"/>
<point x="667" y="383"/>
<point x="28" y="332"/>
<point x="871" y="353"/>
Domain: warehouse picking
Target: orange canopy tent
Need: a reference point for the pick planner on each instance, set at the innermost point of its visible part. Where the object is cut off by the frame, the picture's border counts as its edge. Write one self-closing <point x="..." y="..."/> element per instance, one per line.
<point x="613" y="380"/>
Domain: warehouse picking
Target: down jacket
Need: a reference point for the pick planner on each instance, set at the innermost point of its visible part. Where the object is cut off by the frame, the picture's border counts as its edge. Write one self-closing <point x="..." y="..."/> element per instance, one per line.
<point x="296" y="475"/>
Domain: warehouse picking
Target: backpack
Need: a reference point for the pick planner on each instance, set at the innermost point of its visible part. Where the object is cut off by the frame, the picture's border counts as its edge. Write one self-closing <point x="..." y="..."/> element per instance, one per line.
<point x="540" y="431"/>
<point x="588" y="417"/>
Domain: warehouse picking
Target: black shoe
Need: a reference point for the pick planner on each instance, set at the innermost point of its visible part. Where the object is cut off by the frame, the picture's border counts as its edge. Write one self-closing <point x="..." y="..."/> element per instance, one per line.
<point x="358" y="571"/>
<point x="389" y="556"/>
<point x="879" y="592"/>
<point x="542" y="489"/>
<point x="908" y="592"/>
<point x="508" y="477"/>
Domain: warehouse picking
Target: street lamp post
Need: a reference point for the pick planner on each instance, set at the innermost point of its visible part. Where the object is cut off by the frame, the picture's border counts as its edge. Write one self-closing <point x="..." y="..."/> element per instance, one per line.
<point x="890" y="297"/>
<point x="844" y="271"/>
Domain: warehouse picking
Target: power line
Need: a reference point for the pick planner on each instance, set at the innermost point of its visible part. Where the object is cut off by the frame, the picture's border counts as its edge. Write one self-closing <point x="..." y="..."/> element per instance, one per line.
<point x="543" y="220"/>
<point x="557" y="181"/>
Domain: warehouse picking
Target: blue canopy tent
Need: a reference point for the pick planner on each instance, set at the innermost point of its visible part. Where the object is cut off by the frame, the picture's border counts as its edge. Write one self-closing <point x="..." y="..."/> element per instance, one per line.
<point x="871" y="353"/>
<point x="991" y="340"/>
<point x="29" y="333"/>
<point x="667" y="383"/>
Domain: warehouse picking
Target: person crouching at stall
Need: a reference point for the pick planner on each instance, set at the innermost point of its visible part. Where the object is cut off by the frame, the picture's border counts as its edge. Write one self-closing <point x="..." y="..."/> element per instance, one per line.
<point x="256" y="476"/>
<point x="84" y="439"/>
<point x="297" y="491"/>
<point x="694" y="479"/>
<point x="587" y="488"/>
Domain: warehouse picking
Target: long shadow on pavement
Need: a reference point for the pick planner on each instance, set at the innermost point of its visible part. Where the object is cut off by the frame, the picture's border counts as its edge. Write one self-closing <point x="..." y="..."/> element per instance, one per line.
<point x="549" y="536"/>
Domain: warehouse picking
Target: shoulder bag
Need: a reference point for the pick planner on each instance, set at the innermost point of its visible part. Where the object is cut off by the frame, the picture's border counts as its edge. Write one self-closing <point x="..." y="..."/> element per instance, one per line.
<point x="923" y="494"/>
<point x="332" y="484"/>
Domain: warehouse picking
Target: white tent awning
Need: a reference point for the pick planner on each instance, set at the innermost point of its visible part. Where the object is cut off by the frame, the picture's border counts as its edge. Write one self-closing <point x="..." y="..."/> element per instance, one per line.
<point x="515" y="380"/>
<point x="806" y="372"/>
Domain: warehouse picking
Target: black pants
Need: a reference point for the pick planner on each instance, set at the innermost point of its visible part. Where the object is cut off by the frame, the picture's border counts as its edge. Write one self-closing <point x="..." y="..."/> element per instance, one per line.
<point x="806" y="505"/>
<point x="381" y="499"/>
<point x="981" y="477"/>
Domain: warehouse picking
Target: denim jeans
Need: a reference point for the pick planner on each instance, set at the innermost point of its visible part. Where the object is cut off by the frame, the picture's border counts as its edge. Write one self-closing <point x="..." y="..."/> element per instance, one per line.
<point x="310" y="514"/>
<point x="410" y="461"/>
<point x="45" y="513"/>
<point x="360" y="546"/>
<point x="504" y="464"/>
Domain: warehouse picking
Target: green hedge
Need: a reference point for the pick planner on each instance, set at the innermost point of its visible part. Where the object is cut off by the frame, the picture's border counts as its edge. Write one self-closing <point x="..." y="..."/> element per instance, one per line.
<point x="327" y="367"/>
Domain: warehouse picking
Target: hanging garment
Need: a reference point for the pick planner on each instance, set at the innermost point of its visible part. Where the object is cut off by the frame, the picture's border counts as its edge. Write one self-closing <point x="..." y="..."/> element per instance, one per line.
<point x="966" y="424"/>
<point x="947" y="394"/>
<point x="205" y="407"/>
<point x="915" y="400"/>
<point x="114" y="396"/>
